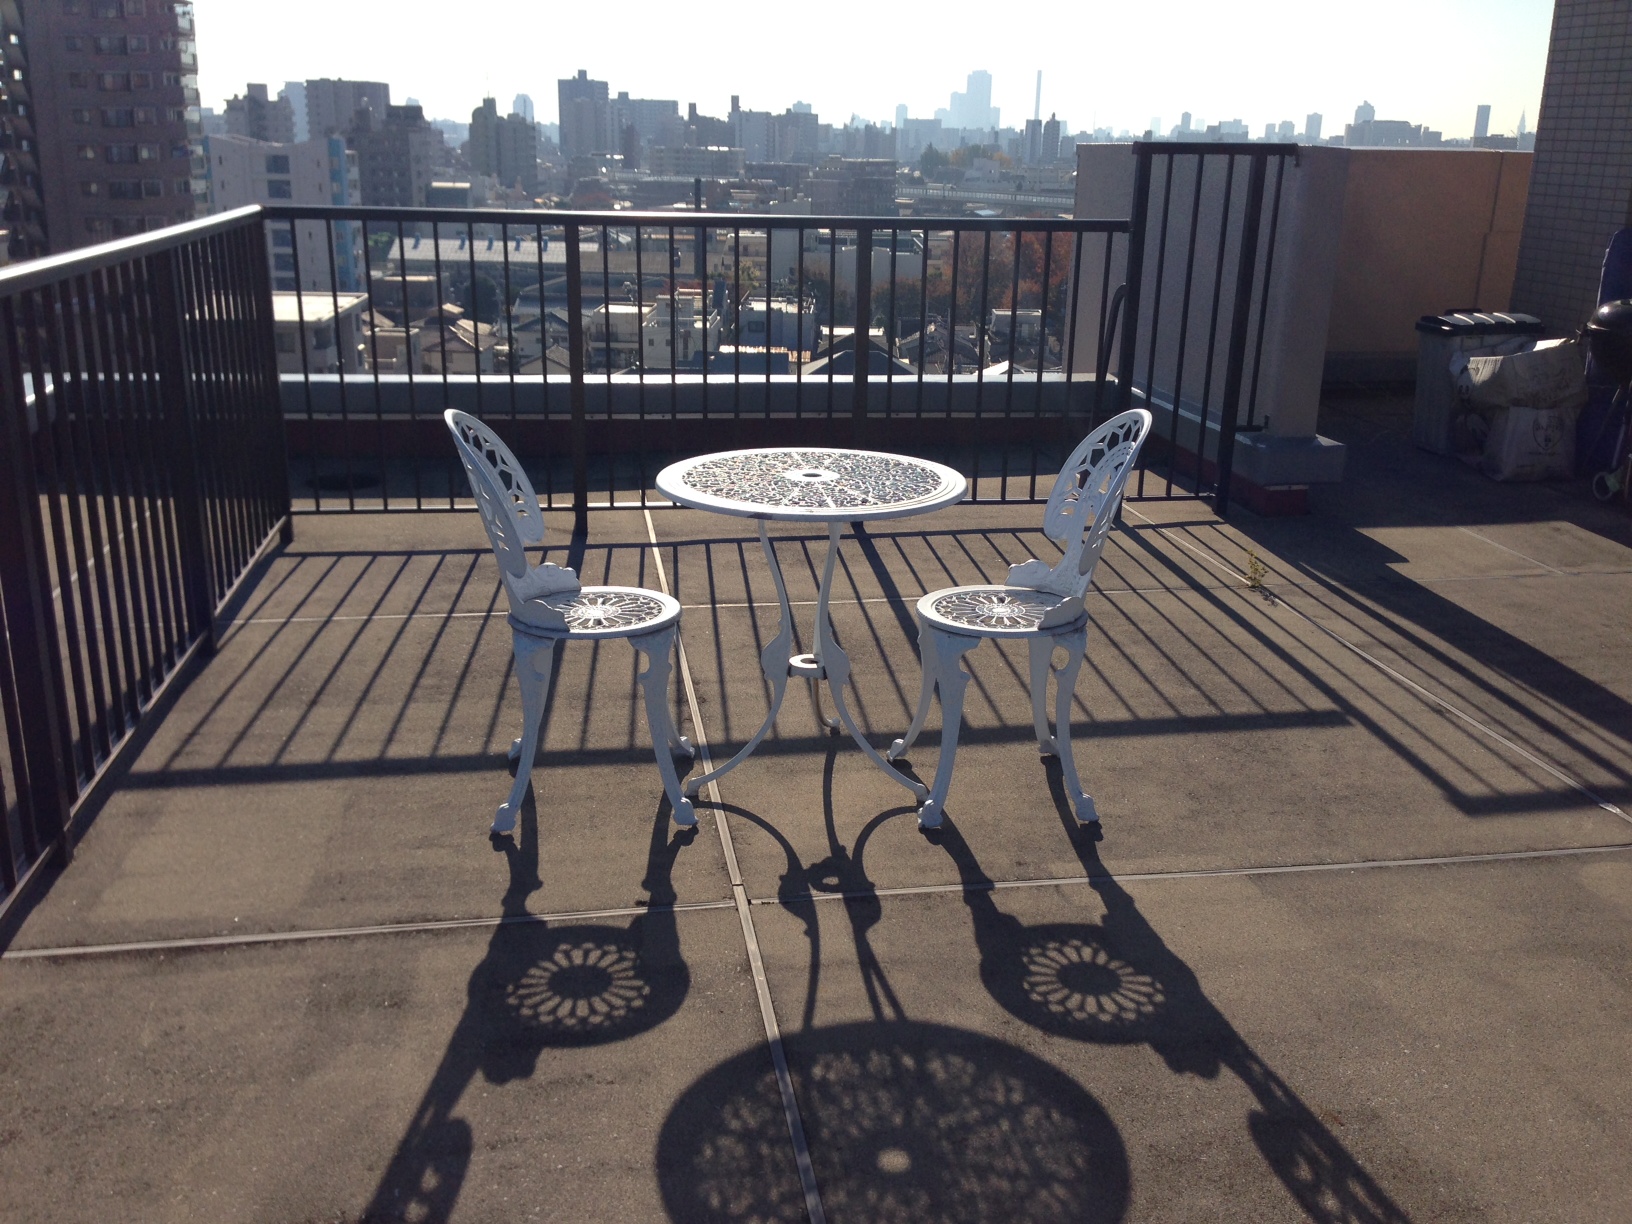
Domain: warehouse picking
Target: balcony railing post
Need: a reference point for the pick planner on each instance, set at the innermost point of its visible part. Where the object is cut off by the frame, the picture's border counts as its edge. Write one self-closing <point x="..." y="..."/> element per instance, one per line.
<point x="575" y="346"/>
<point x="1251" y="218"/>
<point x="1136" y="276"/>
<point x="864" y="319"/>
<point x="30" y="623"/>
<point x="181" y="444"/>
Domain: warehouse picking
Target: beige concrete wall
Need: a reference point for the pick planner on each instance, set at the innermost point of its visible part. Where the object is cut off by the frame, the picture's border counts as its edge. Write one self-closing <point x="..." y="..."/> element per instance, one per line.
<point x="1423" y="230"/>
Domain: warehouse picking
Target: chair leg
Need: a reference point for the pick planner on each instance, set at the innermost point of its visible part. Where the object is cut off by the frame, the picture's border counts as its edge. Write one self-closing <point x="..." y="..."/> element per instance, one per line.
<point x="952" y="680"/>
<point x="1065" y="680"/>
<point x="926" y="693"/>
<point x="1042" y="654"/>
<point x="535" y="657"/>
<point x="654" y="685"/>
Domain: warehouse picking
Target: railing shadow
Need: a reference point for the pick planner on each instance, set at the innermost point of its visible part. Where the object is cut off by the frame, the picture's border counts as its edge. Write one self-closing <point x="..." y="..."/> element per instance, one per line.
<point x="538" y="987"/>
<point x="1117" y="981"/>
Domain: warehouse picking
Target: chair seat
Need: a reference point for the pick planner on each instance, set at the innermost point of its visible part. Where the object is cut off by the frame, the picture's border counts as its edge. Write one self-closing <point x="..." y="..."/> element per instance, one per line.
<point x="999" y="611"/>
<point x="597" y="612"/>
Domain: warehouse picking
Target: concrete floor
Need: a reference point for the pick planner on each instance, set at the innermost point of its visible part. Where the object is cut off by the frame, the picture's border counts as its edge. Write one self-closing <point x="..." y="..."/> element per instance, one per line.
<point x="1353" y="946"/>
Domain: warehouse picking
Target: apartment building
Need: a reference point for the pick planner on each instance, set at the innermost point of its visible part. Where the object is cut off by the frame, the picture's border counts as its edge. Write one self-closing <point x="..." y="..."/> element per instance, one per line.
<point x="114" y="92"/>
<point x="396" y="155"/>
<point x="331" y="103"/>
<point x="240" y="171"/>
<point x="260" y="117"/>
<point x="22" y="212"/>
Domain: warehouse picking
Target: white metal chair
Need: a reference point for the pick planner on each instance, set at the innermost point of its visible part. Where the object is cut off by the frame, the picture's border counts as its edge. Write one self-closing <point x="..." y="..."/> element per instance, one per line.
<point x="1039" y="602"/>
<point x="548" y="605"/>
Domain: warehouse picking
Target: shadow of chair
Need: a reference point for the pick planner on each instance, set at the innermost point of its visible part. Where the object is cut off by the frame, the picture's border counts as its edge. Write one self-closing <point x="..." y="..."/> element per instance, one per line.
<point x="540" y="986"/>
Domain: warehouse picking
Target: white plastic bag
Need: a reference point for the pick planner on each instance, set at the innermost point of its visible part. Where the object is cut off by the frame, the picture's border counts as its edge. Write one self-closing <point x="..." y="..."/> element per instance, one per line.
<point x="1550" y="375"/>
<point x="1530" y="444"/>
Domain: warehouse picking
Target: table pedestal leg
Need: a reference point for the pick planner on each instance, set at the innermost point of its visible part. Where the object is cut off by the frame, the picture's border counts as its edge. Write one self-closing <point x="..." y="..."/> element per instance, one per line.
<point x="835" y="666"/>
<point x="775" y="661"/>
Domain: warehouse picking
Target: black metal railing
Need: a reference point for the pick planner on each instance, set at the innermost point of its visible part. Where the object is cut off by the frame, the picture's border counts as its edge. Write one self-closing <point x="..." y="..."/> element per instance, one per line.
<point x="141" y="474"/>
<point x="1206" y="221"/>
<point x="608" y="342"/>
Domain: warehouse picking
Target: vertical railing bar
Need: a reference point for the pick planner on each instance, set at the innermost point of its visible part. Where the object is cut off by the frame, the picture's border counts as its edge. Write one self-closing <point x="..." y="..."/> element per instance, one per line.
<point x="1263" y="298"/>
<point x="340" y="367"/>
<point x="374" y="365"/>
<point x="799" y="324"/>
<point x="575" y="340"/>
<point x="863" y="337"/>
<point x="1042" y="356"/>
<point x="981" y="353"/>
<point x="442" y="335"/>
<point x="736" y="330"/>
<point x="640" y="367"/>
<point x="544" y="361"/>
<point x="305" y="363"/>
<point x="674" y="326"/>
<point x="1008" y="391"/>
<point x="832" y="309"/>
<point x="1229" y="410"/>
<point x="606" y="301"/>
<point x="213" y="377"/>
<point x="770" y="241"/>
<point x="1184" y="318"/>
<point x="1212" y="323"/>
<point x="475" y="319"/>
<point x="1137" y="236"/>
<point x="408" y="354"/>
<point x="1168" y="160"/>
<point x="891" y="328"/>
<point x="923" y="319"/>
<point x="197" y="370"/>
<point x="264" y="359"/>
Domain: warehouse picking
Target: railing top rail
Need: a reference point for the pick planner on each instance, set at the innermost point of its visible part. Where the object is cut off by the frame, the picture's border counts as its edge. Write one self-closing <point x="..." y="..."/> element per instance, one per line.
<point x="689" y="220"/>
<point x="53" y="268"/>
<point x="1237" y="148"/>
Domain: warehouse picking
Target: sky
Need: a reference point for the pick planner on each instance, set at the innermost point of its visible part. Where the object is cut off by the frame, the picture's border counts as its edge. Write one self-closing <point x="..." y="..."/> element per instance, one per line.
<point x="1107" y="65"/>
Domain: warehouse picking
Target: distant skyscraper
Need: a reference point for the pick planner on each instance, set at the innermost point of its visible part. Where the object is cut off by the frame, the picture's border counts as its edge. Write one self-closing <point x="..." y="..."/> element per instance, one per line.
<point x="523" y="106"/>
<point x="1481" y="122"/>
<point x="1364" y="113"/>
<point x="1311" y="128"/>
<point x="901" y="116"/>
<point x="585" y="116"/>
<point x="973" y="108"/>
<point x="1286" y="131"/>
<point x="332" y="104"/>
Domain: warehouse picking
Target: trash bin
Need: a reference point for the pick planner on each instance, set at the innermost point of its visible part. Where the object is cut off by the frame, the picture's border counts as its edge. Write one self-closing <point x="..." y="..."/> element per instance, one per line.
<point x="1441" y="337"/>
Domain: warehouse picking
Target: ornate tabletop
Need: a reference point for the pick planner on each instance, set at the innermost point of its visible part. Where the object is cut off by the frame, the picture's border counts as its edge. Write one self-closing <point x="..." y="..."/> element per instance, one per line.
<point x="811" y="483"/>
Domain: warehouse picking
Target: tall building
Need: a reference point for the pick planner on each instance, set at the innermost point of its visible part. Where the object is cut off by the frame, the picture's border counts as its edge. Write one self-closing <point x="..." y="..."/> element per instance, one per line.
<point x="396" y="155"/>
<point x="22" y="210"/>
<point x="240" y="170"/>
<point x="504" y="148"/>
<point x="1311" y="127"/>
<point x="585" y="116"/>
<point x="114" y="93"/>
<point x="294" y="92"/>
<point x="1481" y="122"/>
<point x="259" y="117"/>
<point x="1053" y="133"/>
<point x="523" y="106"/>
<point x="972" y="108"/>
<point x="331" y="104"/>
<point x="1581" y="177"/>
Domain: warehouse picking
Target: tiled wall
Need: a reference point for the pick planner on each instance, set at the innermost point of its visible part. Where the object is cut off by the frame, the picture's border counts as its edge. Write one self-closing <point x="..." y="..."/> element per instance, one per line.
<point x="1581" y="182"/>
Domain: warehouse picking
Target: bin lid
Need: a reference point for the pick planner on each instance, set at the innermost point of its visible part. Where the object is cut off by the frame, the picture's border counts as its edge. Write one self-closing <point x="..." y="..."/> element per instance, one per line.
<point x="1479" y="323"/>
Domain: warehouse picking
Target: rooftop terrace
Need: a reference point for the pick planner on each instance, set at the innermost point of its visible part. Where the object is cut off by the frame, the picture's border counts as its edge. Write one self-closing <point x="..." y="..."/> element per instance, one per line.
<point x="1353" y="946"/>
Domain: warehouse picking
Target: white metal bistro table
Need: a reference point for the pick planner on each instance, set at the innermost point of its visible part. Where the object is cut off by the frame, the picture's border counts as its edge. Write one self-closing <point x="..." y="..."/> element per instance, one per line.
<point x="810" y="484"/>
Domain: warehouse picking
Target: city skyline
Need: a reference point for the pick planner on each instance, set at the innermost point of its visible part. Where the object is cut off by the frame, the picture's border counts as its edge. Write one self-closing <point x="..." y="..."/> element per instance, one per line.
<point x="1254" y="63"/>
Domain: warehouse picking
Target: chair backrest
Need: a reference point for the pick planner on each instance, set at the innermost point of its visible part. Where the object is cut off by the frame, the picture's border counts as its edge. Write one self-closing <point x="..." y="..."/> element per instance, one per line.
<point x="1086" y="495"/>
<point x="509" y="507"/>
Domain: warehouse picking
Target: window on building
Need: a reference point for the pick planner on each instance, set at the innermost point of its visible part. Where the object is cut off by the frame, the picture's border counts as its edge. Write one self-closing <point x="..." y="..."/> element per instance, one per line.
<point x="141" y="80"/>
<point x="136" y="44"/>
<point x="283" y="262"/>
<point x="153" y="189"/>
<point x="79" y="80"/>
<point x="90" y="188"/>
<point x="135" y="8"/>
<point x="109" y="44"/>
<point x="285" y="340"/>
<point x="113" y="82"/>
<point x="129" y="225"/>
<point x="75" y="42"/>
<point x="277" y="163"/>
<point x="279" y="189"/>
<point x="172" y="79"/>
<point x="87" y="153"/>
<point x="107" y="8"/>
<point x="142" y="115"/>
<point x="118" y="116"/>
<point x="97" y="226"/>
<point x="322" y="337"/>
<point x="73" y="7"/>
<point x="179" y="151"/>
<point x="184" y="187"/>
<point x="122" y="154"/>
<point x="124" y="189"/>
<point x="282" y="239"/>
<point x="82" y="115"/>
